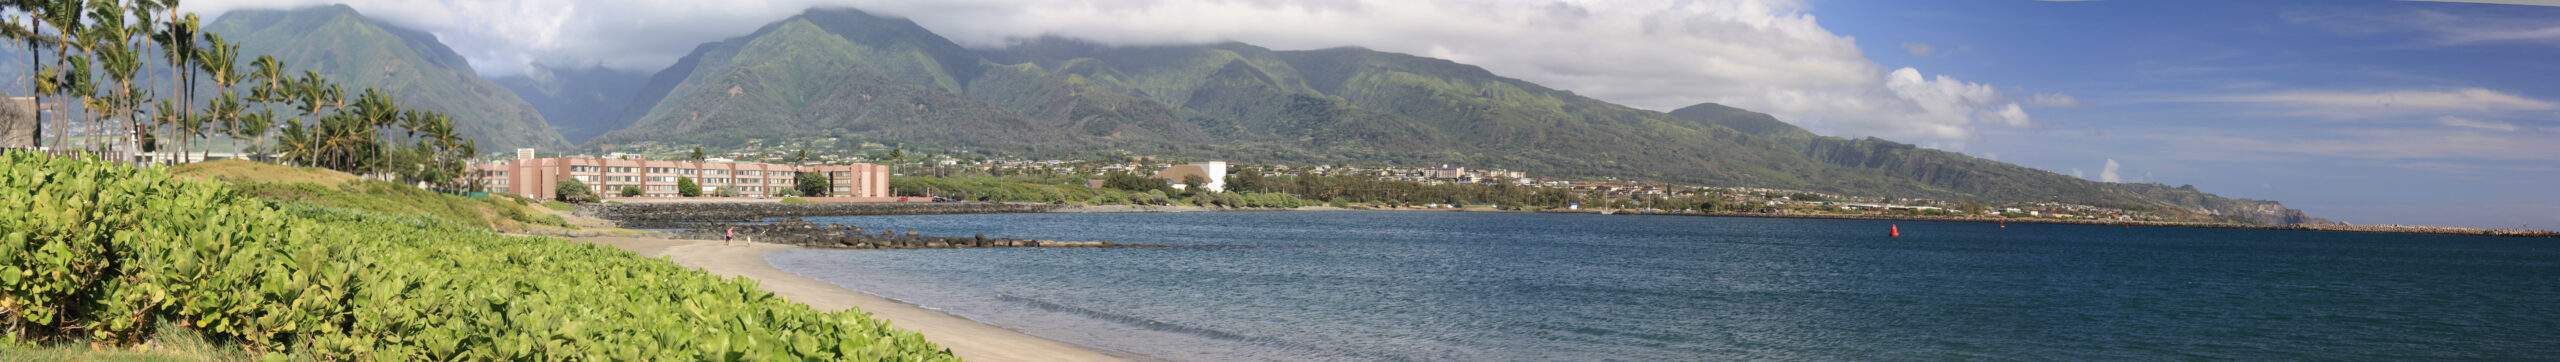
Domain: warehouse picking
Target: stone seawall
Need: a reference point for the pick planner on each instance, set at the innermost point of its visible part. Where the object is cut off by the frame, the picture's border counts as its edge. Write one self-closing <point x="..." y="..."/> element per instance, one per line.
<point x="802" y="233"/>
<point x="689" y="215"/>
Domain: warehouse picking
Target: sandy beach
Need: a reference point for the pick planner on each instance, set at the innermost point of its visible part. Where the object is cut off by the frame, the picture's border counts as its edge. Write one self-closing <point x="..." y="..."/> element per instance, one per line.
<point x="969" y="339"/>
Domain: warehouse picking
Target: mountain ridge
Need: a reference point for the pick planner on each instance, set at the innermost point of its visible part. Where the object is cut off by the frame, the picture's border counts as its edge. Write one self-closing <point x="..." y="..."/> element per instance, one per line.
<point x="357" y="51"/>
<point x="888" y="80"/>
<point x="580" y="102"/>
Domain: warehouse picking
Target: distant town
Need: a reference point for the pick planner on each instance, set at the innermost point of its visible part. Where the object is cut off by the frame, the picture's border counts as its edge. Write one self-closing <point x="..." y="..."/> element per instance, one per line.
<point x="1587" y="194"/>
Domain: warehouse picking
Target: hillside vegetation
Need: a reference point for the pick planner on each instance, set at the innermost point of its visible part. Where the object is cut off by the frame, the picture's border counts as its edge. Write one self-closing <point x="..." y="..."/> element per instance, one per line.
<point x="332" y="189"/>
<point x="409" y="65"/>
<point x="115" y="256"/>
<point x="861" y="78"/>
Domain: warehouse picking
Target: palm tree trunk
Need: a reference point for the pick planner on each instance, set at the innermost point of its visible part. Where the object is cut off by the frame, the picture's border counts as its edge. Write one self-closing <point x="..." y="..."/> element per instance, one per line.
<point x="35" y="61"/>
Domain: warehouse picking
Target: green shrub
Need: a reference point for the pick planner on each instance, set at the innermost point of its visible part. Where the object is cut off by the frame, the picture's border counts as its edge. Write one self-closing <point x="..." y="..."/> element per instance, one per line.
<point x="685" y="187"/>
<point x="795" y="201"/>
<point x="572" y="191"/>
<point x="630" y="191"/>
<point x="1126" y="181"/>
<point x="98" y="251"/>
<point x="810" y="184"/>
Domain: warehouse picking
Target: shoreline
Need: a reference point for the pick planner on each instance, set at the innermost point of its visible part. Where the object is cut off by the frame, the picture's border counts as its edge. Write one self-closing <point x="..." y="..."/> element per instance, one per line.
<point x="2378" y="229"/>
<point x="967" y="338"/>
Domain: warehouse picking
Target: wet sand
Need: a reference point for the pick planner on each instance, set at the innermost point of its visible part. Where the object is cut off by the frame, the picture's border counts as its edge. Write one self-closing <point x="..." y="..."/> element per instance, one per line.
<point x="969" y="339"/>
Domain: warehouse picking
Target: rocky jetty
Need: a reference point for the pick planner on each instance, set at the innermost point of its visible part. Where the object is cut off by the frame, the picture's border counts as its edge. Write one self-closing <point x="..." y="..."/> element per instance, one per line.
<point x="802" y="233"/>
<point x="687" y="215"/>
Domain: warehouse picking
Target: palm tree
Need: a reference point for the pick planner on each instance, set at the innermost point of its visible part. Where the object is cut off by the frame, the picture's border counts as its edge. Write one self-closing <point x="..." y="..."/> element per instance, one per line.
<point x="31" y="32"/>
<point x="178" y="41"/>
<point x="141" y="26"/>
<point x="107" y="40"/>
<point x="269" y="76"/>
<point x="64" y="16"/>
<point x="218" y="58"/>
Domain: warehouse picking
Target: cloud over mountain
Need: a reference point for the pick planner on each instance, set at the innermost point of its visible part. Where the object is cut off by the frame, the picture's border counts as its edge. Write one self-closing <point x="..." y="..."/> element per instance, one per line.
<point x="1767" y="55"/>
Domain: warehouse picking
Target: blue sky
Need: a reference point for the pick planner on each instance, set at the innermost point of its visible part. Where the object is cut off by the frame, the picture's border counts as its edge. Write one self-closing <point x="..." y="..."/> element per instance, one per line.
<point x="2366" y="112"/>
<point x="2359" y="111"/>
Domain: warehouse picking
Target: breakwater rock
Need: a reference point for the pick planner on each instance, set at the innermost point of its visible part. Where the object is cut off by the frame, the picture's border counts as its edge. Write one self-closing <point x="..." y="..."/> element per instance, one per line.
<point x="802" y="233"/>
<point x="674" y="215"/>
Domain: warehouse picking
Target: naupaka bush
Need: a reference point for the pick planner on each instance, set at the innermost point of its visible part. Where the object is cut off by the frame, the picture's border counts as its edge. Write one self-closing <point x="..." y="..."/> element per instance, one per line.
<point x="103" y="252"/>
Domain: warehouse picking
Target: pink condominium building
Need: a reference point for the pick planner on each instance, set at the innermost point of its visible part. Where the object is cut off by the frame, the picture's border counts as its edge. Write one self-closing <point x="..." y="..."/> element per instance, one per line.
<point x="539" y="177"/>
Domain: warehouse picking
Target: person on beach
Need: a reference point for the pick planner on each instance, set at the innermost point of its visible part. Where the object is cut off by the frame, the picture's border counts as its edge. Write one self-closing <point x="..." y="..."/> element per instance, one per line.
<point x="732" y="233"/>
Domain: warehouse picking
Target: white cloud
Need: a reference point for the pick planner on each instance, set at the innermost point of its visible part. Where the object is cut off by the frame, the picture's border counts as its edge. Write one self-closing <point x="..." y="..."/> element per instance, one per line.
<point x="1765" y="55"/>
<point x="2502" y="2"/>
<point x="2390" y="144"/>
<point x="2368" y="104"/>
<point x="503" y="37"/>
<point x="1919" y="49"/>
<point x="2012" y="115"/>
<point x="2452" y="121"/>
<point x="2053" y="100"/>
<point x="1947" y="106"/>
<point x="2445" y="26"/>
<point x="2108" y="174"/>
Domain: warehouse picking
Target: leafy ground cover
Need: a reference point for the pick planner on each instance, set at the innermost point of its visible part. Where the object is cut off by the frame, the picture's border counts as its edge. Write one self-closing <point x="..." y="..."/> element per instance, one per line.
<point x="113" y="256"/>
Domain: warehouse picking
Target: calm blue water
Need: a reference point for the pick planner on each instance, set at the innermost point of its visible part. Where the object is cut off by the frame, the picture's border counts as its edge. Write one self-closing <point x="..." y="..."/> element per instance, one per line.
<point x="1489" y="286"/>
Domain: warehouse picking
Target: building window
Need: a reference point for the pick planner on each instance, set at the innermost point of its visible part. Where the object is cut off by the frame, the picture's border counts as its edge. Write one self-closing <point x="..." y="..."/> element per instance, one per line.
<point x="750" y="173"/>
<point x="662" y="179"/>
<point x="618" y="169"/>
<point x="583" y="179"/>
<point x="715" y="172"/>
<point x="687" y="171"/>
<point x="662" y="170"/>
<point x="582" y="169"/>
<point x="715" y="180"/>
<point x="750" y="181"/>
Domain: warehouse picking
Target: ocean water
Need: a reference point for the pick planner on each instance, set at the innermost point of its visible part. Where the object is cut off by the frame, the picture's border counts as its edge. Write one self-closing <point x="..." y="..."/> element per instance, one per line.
<point x="1508" y="286"/>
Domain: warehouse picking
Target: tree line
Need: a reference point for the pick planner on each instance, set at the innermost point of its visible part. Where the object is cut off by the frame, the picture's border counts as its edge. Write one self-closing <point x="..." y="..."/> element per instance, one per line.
<point x="101" y="57"/>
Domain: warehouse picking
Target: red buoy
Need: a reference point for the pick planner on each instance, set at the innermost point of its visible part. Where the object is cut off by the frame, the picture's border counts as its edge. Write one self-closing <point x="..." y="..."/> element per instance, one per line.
<point x="1897" y="230"/>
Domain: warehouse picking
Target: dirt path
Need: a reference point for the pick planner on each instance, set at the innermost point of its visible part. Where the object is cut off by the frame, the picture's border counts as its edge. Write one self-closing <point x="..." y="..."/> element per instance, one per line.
<point x="969" y="339"/>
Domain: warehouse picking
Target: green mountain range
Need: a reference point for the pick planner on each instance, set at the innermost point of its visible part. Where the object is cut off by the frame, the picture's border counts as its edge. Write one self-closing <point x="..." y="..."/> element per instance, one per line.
<point x="411" y="66"/>
<point x="838" y="73"/>
<point x="845" y="73"/>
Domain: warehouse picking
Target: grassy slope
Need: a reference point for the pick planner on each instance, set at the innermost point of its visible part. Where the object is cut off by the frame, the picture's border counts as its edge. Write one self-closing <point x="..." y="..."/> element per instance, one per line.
<point x="334" y="189"/>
